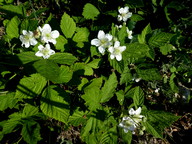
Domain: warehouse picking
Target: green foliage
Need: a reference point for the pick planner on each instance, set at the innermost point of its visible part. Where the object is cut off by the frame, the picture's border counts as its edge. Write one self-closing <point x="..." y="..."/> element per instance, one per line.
<point x="90" y="11"/>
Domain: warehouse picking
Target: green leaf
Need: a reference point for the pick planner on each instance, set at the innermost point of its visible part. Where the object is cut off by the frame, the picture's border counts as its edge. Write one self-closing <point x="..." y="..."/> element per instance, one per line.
<point x="61" y="42"/>
<point x="81" y="35"/>
<point x="94" y="63"/>
<point x="12" y="10"/>
<point x="27" y="57"/>
<point x="83" y="82"/>
<point x="77" y="118"/>
<point x="142" y="36"/>
<point x="7" y="101"/>
<point x="12" y="29"/>
<point x="92" y="94"/>
<point x="149" y="74"/>
<point x="107" y="91"/>
<point x="157" y="121"/>
<point x="136" y="50"/>
<point x="172" y="83"/>
<point x="83" y="69"/>
<point x="31" y="132"/>
<point x="90" y="11"/>
<point x="117" y="65"/>
<point x="47" y="68"/>
<point x="126" y="76"/>
<point x="55" y="103"/>
<point x="63" y="58"/>
<point x="68" y="26"/>
<point x="138" y="97"/>
<point x="122" y="34"/>
<point x="29" y="111"/>
<point x="160" y="39"/>
<point x="165" y="49"/>
<point x="65" y="74"/>
<point x="136" y="18"/>
<point x="120" y="96"/>
<point x="30" y="87"/>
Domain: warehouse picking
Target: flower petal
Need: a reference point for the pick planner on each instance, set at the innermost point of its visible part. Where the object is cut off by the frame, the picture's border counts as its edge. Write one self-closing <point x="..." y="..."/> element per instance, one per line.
<point x="138" y="111"/>
<point x="101" y="34"/>
<point x="40" y="47"/>
<point x="101" y="49"/>
<point x="126" y="9"/>
<point x="122" y="48"/>
<point x="109" y="37"/>
<point x="112" y="56"/>
<point x="121" y="10"/>
<point x="131" y="111"/>
<point x="39" y="54"/>
<point x="117" y="44"/>
<point x="24" y="32"/>
<point x="95" y="42"/>
<point x="46" y="28"/>
<point x="111" y="49"/>
<point x="33" y="41"/>
<point x="55" y="34"/>
<point x="119" y="57"/>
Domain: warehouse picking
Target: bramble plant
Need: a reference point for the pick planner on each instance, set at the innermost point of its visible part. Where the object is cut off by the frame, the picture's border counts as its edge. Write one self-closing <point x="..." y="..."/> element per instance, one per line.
<point x="104" y="73"/>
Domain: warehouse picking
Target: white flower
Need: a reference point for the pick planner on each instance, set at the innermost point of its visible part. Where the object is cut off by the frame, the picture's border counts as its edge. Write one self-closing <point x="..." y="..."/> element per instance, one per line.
<point x="103" y="41"/>
<point x="116" y="51"/>
<point x="128" y="124"/>
<point x="27" y="39"/>
<point x="47" y="35"/>
<point x="129" y="33"/>
<point x="45" y="52"/>
<point x="132" y="122"/>
<point x="157" y="90"/>
<point x="124" y="14"/>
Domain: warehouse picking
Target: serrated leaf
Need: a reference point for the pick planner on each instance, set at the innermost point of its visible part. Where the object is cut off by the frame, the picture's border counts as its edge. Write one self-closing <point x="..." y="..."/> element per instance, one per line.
<point x="27" y="57"/>
<point x="61" y="41"/>
<point x="136" y="50"/>
<point x="7" y="101"/>
<point x="55" y="103"/>
<point x="136" y="18"/>
<point x="160" y="39"/>
<point x="63" y="58"/>
<point x="77" y="118"/>
<point x="149" y="74"/>
<point x="107" y="91"/>
<point x="117" y="65"/>
<point x="65" y="74"/>
<point x="30" y="87"/>
<point x="83" y="82"/>
<point x="83" y="68"/>
<point x="92" y="94"/>
<point x="12" y="29"/>
<point x="165" y="49"/>
<point x="94" y="63"/>
<point x="29" y="111"/>
<point x="68" y="26"/>
<point x="138" y="97"/>
<point x="47" y="68"/>
<point x="81" y="35"/>
<point x="31" y="132"/>
<point x="142" y="36"/>
<point x="157" y="121"/>
<point x="126" y="76"/>
<point x="122" y="34"/>
<point x="120" y="96"/>
<point x="90" y="11"/>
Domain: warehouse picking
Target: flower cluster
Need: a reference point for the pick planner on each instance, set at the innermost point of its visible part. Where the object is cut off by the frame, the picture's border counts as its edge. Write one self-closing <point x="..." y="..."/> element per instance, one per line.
<point x="110" y="43"/>
<point x="44" y="35"/>
<point x="133" y="121"/>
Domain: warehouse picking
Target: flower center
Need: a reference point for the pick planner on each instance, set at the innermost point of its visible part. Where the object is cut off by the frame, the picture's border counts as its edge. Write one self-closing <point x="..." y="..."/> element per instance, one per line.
<point x="117" y="50"/>
<point x="45" y="51"/>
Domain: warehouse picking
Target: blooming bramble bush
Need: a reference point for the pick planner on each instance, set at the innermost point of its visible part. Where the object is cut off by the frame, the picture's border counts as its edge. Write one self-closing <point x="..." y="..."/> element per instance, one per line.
<point x="61" y="81"/>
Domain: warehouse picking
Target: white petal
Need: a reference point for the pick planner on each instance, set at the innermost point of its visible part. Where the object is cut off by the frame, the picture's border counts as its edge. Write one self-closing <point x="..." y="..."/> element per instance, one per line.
<point x="101" y="49"/>
<point x="55" y="34"/>
<point x="126" y="130"/>
<point x="26" y="44"/>
<point x="112" y="56"/>
<point x="24" y="32"/>
<point x="47" y="46"/>
<point x="138" y="111"/>
<point x="51" y="52"/>
<point x="119" y="57"/>
<point x="39" y="54"/>
<point x="117" y="44"/>
<point x="33" y="41"/>
<point x="46" y="28"/>
<point x="53" y="41"/>
<point x="122" y="48"/>
<point x="131" y="111"/>
<point x="121" y="10"/>
<point x="111" y="49"/>
<point x="109" y="37"/>
<point x="119" y="17"/>
<point x="95" y="42"/>
<point x="40" y="47"/>
<point x="101" y="34"/>
<point x="126" y="9"/>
